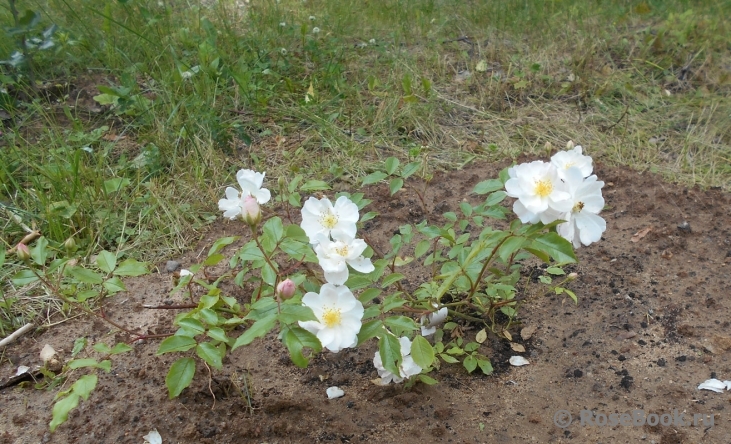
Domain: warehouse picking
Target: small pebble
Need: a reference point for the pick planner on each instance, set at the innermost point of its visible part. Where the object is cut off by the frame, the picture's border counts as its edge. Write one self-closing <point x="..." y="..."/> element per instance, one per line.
<point x="171" y="266"/>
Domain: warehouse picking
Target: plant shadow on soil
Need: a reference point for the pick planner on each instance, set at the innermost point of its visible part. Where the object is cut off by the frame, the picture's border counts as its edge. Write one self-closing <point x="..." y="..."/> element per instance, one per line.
<point x="650" y="325"/>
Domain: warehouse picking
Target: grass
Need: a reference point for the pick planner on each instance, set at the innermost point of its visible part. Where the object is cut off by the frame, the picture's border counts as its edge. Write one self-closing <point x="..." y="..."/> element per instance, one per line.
<point x="135" y="123"/>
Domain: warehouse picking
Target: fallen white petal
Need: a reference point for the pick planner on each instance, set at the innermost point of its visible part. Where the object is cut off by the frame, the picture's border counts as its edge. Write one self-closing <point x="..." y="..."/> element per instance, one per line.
<point x="47" y="353"/>
<point x="185" y="272"/>
<point x="153" y="437"/>
<point x="714" y="385"/>
<point x="334" y="392"/>
<point x="518" y="361"/>
<point x="22" y="369"/>
<point x="728" y="385"/>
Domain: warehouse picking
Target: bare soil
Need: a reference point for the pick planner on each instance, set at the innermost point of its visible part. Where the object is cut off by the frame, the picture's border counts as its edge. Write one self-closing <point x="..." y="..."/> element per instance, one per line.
<point x="652" y="322"/>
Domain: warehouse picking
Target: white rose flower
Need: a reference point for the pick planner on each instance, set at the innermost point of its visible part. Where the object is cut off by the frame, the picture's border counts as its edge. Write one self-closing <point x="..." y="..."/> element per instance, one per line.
<point x="429" y="323"/>
<point x="338" y="315"/>
<point x="538" y="188"/>
<point x="335" y="256"/>
<point x="583" y="224"/>
<point x="320" y="217"/>
<point x="563" y="160"/>
<point x="251" y="185"/>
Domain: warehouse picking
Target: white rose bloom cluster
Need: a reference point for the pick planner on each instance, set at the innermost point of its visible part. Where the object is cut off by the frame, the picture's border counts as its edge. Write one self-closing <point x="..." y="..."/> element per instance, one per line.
<point x="331" y="230"/>
<point x="563" y="189"/>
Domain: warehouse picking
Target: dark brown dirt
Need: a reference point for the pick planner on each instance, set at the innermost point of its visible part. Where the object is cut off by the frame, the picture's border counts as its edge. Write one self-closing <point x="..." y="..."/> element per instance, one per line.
<point x="651" y="324"/>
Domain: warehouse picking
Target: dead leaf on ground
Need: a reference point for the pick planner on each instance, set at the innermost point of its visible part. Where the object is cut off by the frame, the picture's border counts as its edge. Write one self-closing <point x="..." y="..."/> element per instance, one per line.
<point x="527" y="332"/>
<point x="640" y="234"/>
<point x="667" y="254"/>
<point x="517" y="347"/>
<point x="507" y="335"/>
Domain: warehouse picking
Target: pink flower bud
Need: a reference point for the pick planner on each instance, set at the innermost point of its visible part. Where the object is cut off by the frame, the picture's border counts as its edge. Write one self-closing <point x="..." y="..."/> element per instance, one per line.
<point x="250" y="211"/>
<point x="23" y="252"/>
<point x="286" y="288"/>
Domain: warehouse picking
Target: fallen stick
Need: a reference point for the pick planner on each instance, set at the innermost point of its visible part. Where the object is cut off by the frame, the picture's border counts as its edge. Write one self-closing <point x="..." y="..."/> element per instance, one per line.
<point x="17" y="333"/>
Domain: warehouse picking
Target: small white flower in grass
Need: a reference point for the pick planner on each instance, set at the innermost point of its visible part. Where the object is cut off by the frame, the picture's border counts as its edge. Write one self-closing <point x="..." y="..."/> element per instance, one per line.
<point x="335" y="256"/>
<point x="518" y="361"/>
<point x="321" y="217"/>
<point x="153" y="437"/>
<point x="251" y="185"/>
<point x="315" y="30"/>
<point x="538" y="188"/>
<point x="429" y="323"/>
<point x="583" y="224"/>
<point x="563" y="160"/>
<point x="338" y="315"/>
<point x="407" y="369"/>
<point x="334" y="392"/>
<point x="283" y="24"/>
<point x="372" y="41"/>
<point x="714" y="385"/>
<point x="283" y="51"/>
<point x="312" y="18"/>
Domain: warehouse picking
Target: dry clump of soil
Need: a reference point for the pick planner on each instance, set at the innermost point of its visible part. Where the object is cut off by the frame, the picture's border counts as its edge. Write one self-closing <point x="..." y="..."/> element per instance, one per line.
<point x="650" y="325"/>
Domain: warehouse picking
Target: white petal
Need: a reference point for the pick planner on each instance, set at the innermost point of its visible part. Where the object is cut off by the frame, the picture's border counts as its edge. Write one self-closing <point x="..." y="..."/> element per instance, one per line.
<point x="518" y="361"/>
<point x="337" y="277"/>
<point x="153" y="437"/>
<point x="714" y="385"/>
<point x="312" y="326"/>
<point x="362" y="264"/>
<point x="334" y="392"/>
<point x="22" y="369"/>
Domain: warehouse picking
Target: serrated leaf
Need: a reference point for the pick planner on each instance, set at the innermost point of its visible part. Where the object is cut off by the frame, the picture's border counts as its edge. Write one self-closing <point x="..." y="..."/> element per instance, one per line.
<point x="391" y="278"/>
<point x="176" y="344"/>
<point x="400" y="324"/>
<point x="510" y="246"/>
<point x="211" y="354"/>
<point x="39" y="251"/>
<point x="83" y="275"/>
<point x="192" y="324"/>
<point x="395" y="184"/>
<point x="114" y="285"/>
<point x="427" y="380"/>
<point x="213" y="260"/>
<point x="106" y="261"/>
<point x="131" y="267"/>
<point x="488" y="186"/>
<point x="24" y="277"/>
<point x="218" y="334"/>
<point x="556" y="246"/>
<point x="80" y="389"/>
<point x="257" y="330"/>
<point x="296" y="339"/>
<point x="369" y="330"/>
<point x="368" y="295"/>
<point x="221" y="243"/>
<point x="79" y="345"/>
<point x="391" y="164"/>
<point x="422" y="352"/>
<point x="448" y="359"/>
<point x="485" y="366"/>
<point x="180" y="376"/>
<point x="470" y="363"/>
<point x="421" y="248"/>
<point x="314" y="185"/>
<point x="291" y="313"/>
<point x="120" y="348"/>
<point x="374" y="178"/>
<point x="495" y="198"/>
<point x="466" y="208"/>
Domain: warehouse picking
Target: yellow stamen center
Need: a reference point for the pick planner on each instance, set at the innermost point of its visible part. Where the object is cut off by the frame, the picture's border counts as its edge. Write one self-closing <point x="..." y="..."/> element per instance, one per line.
<point x="329" y="220"/>
<point x="342" y="251"/>
<point x="331" y="317"/>
<point x="544" y="188"/>
<point x="578" y="207"/>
